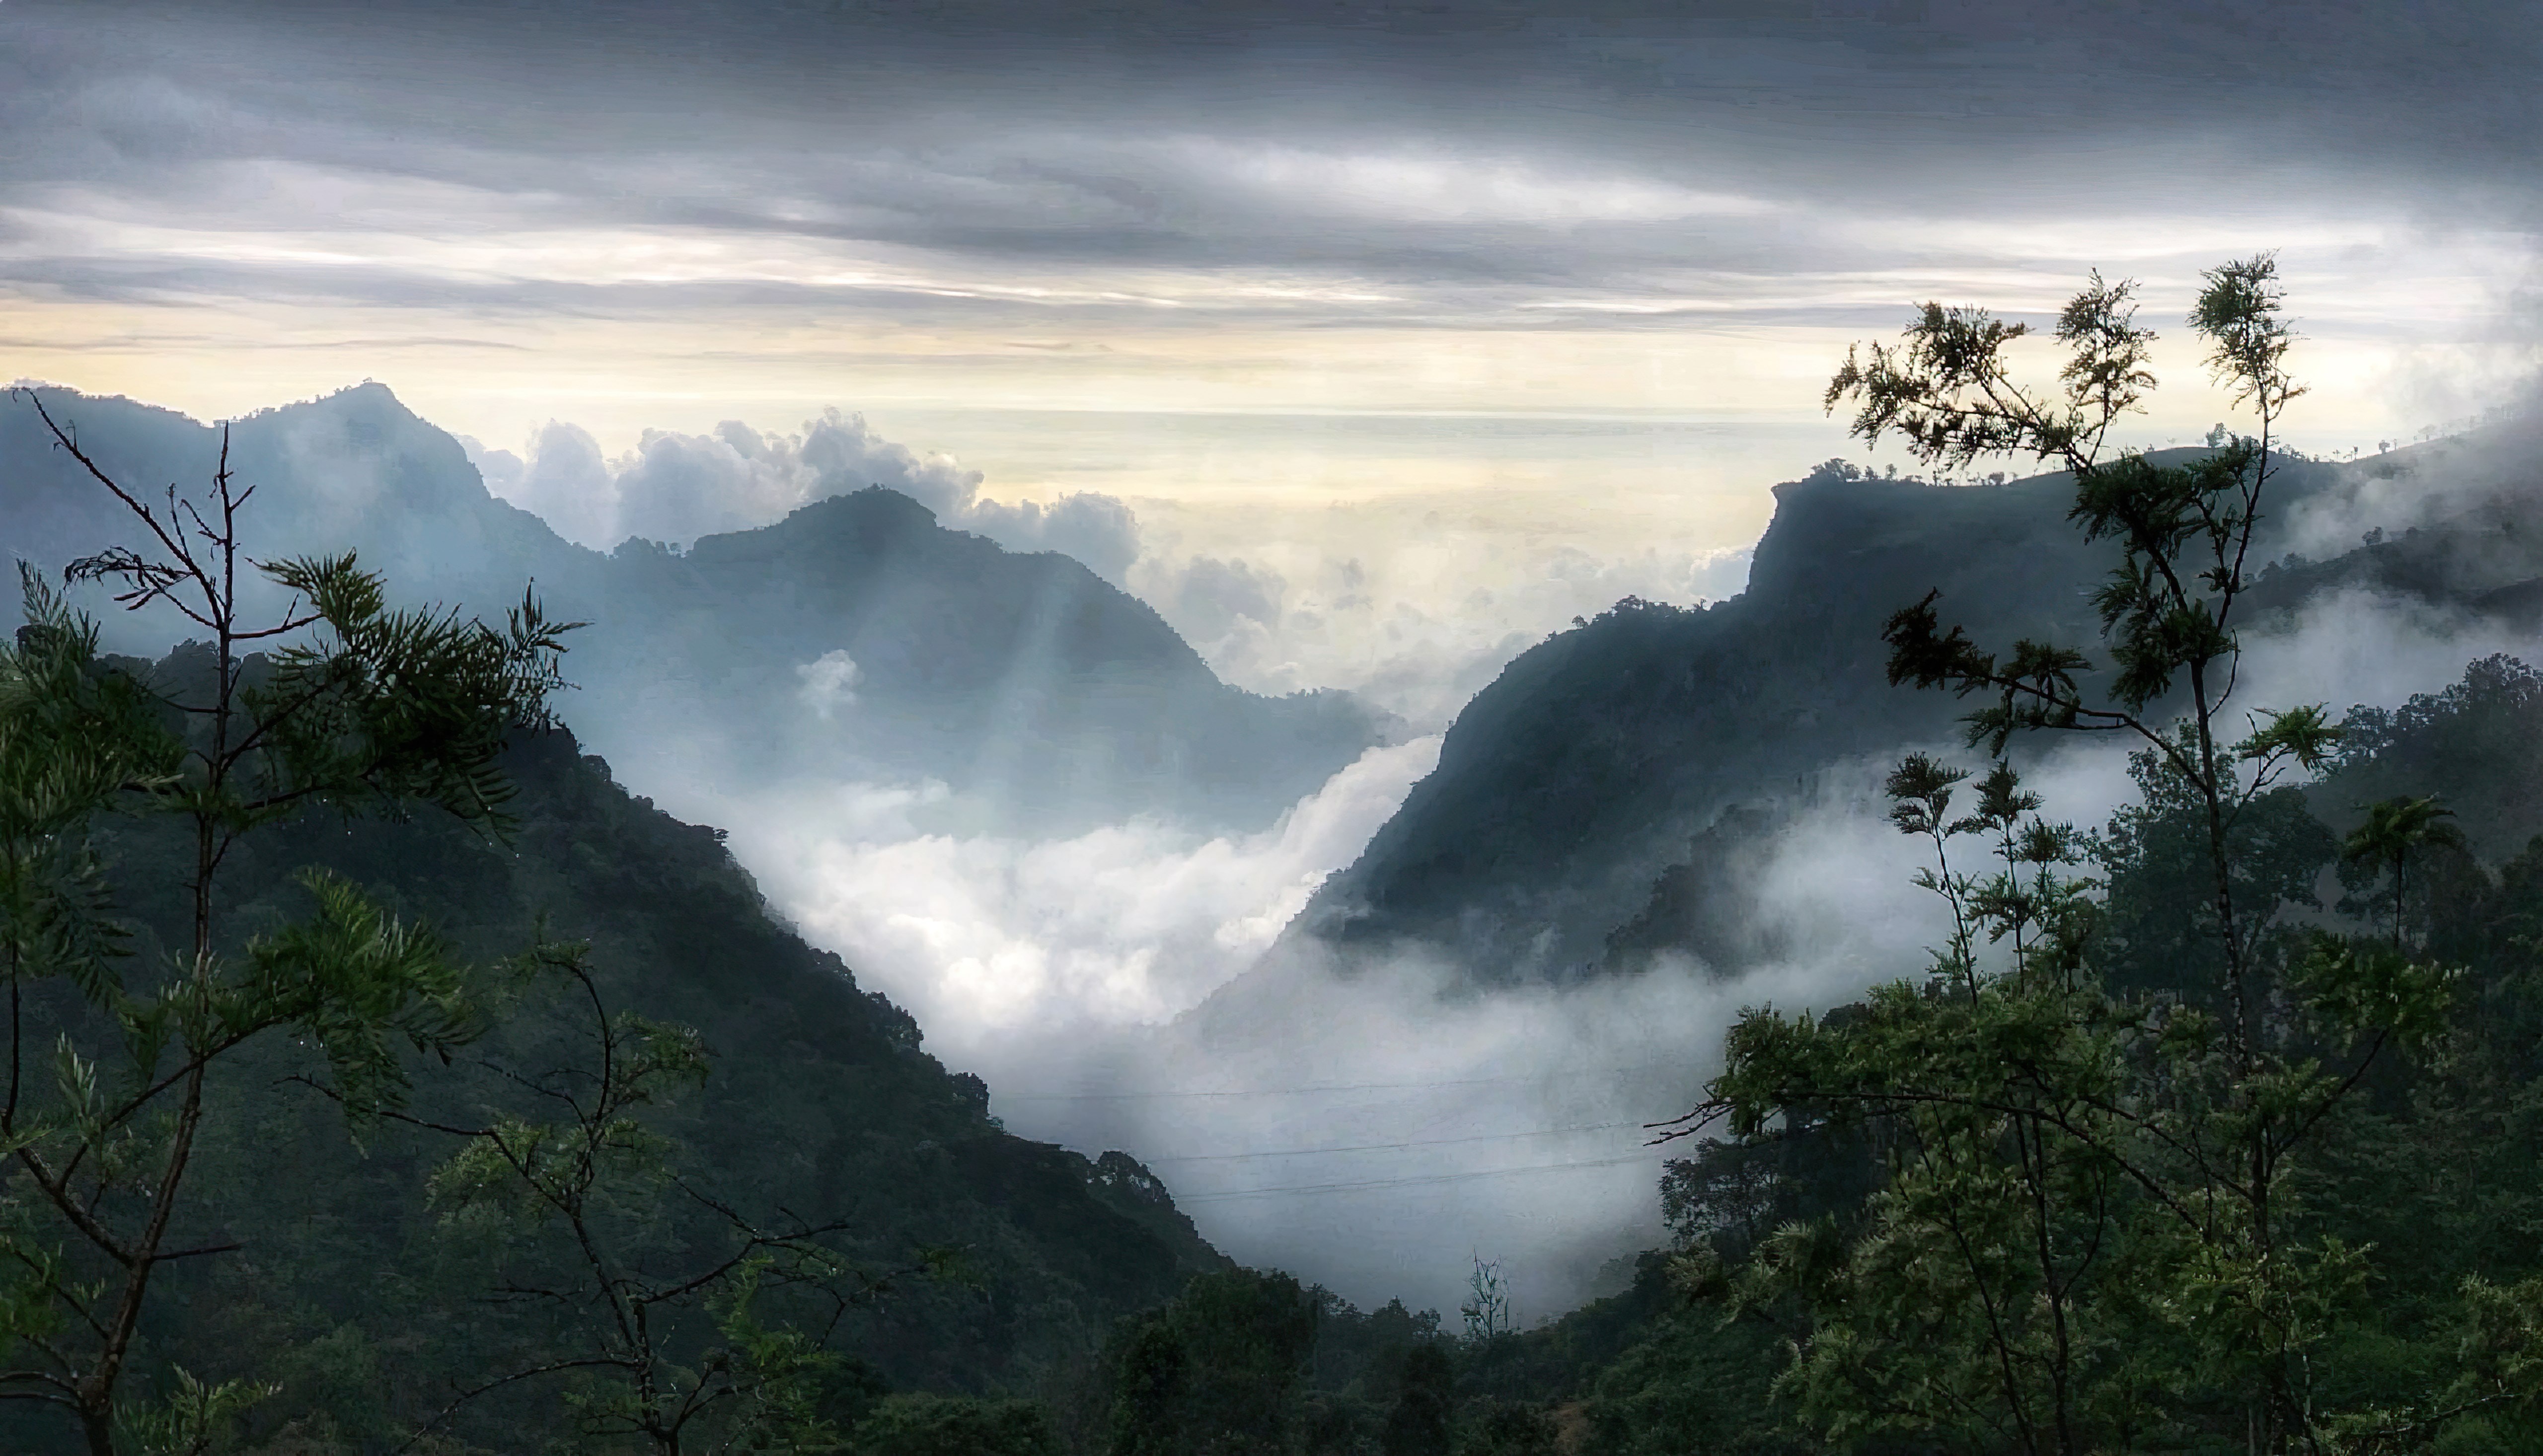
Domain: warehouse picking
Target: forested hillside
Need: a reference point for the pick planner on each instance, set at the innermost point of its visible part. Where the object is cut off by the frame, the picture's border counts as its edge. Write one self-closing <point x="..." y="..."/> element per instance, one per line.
<point x="1553" y="841"/>
<point x="2434" y="1168"/>
<point x="372" y="1309"/>
<point x="1565" y="787"/>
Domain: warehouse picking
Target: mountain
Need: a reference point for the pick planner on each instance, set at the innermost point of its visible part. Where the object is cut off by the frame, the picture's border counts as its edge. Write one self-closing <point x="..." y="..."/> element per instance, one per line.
<point x="856" y="638"/>
<point x="821" y="1102"/>
<point x="1569" y="782"/>
<point x="1593" y="805"/>
<point x="1646" y="1365"/>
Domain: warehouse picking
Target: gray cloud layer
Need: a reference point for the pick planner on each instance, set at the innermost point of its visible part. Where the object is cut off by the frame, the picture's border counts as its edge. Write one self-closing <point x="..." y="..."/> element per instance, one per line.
<point x="1389" y="163"/>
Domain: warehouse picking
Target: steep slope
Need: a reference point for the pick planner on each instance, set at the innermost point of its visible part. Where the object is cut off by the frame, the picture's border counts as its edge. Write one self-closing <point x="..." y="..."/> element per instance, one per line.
<point x="1650" y="1364"/>
<point x="1053" y="698"/>
<point x="1590" y="806"/>
<point x="821" y="1102"/>
<point x="1567" y="785"/>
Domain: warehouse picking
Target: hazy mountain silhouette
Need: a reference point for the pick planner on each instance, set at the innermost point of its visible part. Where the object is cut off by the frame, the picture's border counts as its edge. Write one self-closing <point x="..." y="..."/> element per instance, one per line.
<point x="1591" y="806"/>
<point x="821" y="1101"/>
<point x="856" y="638"/>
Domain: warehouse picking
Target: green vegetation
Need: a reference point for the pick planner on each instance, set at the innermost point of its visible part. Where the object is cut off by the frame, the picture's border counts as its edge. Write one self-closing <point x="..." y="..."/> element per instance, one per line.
<point x="356" y="709"/>
<point x="383" y="1078"/>
<point x="2098" y="1221"/>
<point x="322" y="1141"/>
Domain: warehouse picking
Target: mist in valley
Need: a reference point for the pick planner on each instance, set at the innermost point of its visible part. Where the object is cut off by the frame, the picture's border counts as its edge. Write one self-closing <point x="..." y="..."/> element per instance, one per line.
<point x="1129" y="970"/>
<point x="1218" y="650"/>
<point x="1375" y="1122"/>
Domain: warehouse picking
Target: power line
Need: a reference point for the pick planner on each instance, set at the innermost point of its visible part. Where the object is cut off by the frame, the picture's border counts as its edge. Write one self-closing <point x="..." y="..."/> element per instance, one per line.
<point x="1390" y="1147"/>
<point x="1399" y="1183"/>
<point x="1597" y="1072"/>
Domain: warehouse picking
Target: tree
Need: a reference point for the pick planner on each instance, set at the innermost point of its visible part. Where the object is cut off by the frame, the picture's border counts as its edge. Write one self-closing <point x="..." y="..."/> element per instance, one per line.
<point x="670" y="1343"/>
<point x="2394" y="832"/>
<point x="1213" y="1370"/>
<point x="952" y="1425"/>
<point x="1962" y="1300"/>
<point x="1486" y="1309"/>
<point x="2157" y="874"/>
<point x="1151" y="1381"/>
<point x="341" y="703"/>
<point x="2078" y="1179"/>
<point x="1503" y="1428"/>
<point x="1418" y="1423"/>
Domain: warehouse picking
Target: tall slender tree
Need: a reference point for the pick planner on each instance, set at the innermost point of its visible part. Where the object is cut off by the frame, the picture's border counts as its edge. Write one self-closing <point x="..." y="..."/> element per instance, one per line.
<point x="2051" y="1137"/>
<point x="341" y="703"/>
<point x="2395" y="830"/>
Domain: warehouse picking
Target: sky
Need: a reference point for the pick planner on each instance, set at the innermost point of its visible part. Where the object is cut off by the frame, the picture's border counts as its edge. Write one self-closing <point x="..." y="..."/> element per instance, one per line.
<point x="1574" y="274"/>
<point x="1373" y="341"/>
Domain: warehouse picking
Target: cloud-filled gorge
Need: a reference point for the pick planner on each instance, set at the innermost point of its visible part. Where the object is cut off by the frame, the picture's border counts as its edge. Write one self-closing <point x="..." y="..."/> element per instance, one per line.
<point x="1224" y="649"/>
<point x="1368" y="1121"/>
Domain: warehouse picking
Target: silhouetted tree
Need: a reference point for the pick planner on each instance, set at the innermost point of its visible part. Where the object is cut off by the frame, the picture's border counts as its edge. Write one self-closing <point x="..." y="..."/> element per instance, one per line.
<point x="2073" y="1173"/>
<point x="2396" y="831"/>
<point x="1418" y="1422"/>
<point x="572" y="1203"/>
<point x="340" y="704"/>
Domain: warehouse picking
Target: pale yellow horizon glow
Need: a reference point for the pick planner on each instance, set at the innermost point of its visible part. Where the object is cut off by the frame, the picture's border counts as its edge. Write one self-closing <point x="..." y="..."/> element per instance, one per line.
<point x="494" y="311"/>
<point x="499" y="380"/>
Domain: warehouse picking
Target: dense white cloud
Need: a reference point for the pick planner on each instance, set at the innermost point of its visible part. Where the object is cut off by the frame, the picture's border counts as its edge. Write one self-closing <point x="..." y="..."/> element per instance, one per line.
<point x="676" y="488"/>
<point x="1417" y="626"/>
<point x="2417" y="483"/>
<point x="1078" y="975"/>
<point x="984" y="936"/>
<point x="563" y="481"/>
<point x="829" y="682"/>
<point x="2366" y="648"/>
<point x="1374" y="1123"/>
<point x="1209" y="597"/>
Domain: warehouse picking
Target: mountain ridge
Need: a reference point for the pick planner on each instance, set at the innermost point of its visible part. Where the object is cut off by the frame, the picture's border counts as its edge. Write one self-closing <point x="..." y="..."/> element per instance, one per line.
<point x="339" y="1281"/>
<point x="1100" y="709"/>
<point x="1572" y="791"/>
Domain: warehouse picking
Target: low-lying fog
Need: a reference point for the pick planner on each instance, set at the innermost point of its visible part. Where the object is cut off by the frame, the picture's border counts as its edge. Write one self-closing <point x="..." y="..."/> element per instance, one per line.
<point x="1374" y="1131"/>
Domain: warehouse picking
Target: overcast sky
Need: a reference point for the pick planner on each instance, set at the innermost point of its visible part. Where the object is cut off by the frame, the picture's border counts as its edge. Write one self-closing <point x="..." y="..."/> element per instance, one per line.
<point x="664" y="215"/>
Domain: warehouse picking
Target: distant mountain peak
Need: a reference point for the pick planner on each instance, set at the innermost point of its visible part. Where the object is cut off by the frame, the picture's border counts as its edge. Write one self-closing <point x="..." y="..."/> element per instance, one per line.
<point x="1024" y="679"/>
<point x="866" y="505"/>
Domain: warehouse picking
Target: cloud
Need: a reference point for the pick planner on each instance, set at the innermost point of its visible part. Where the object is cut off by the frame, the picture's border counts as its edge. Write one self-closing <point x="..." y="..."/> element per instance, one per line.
<point x="1211" y="596"/>
<point x="680" y="486"/>
<point x="1099" y="531"/>
<point x="2417" y="483"/>
<point x="2364" y="648"/>
<point x="829" y="682"/>
<point x="675" y="487"/>
<point x="983" y="935"/>
<point x="560" y="477"/>
<point x="1416" y="623"/>
<point x="1371" y="1122"/>
<point x="1459" y="166"/>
